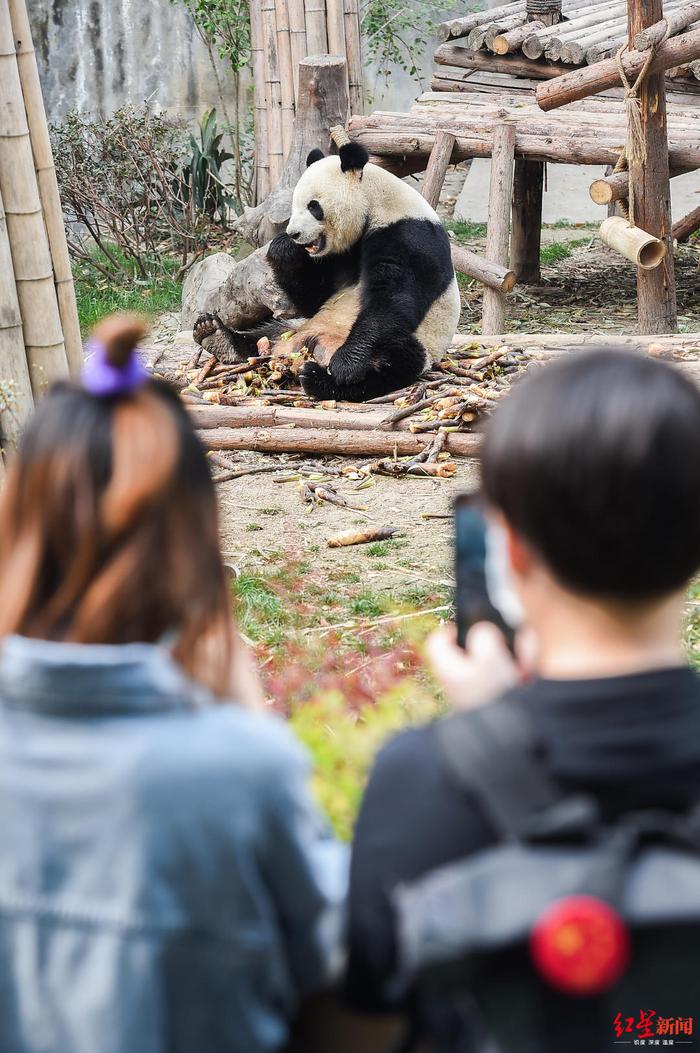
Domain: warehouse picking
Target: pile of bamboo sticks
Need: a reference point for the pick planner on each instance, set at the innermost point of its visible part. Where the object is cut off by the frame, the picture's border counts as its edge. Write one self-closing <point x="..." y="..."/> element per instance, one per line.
<point x="590" y="30"/>
<point x="39" y="331"/>
<point x="282" y="33"/>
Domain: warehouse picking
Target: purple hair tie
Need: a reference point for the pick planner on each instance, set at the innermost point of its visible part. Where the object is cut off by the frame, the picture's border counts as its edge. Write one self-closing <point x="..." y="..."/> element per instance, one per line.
<point x="103" y="379"/>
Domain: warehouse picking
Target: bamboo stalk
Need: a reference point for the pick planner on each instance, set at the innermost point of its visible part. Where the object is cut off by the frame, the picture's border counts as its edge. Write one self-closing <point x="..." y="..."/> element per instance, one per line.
<point x="16" y="402"/>
<point x="353" y="51"/>
<point x="316" y="31"/>
<point x="335" y="27"/>
<point x="31" y="257"/>
<point x="273" y="91"/>
<point x="48" y="184"/>
<point x="633" y="243"/>
<point x="297" y="35"/>
<point x="286" y="72"/>
<point x="262" y="162"/>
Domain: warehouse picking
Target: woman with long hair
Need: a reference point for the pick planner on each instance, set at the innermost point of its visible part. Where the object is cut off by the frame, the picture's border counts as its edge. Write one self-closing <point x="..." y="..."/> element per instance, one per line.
<point x="165" y="881"/>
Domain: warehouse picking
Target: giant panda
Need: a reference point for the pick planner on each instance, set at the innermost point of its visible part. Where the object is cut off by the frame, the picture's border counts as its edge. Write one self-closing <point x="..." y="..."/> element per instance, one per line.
<point x="367" y="264"/>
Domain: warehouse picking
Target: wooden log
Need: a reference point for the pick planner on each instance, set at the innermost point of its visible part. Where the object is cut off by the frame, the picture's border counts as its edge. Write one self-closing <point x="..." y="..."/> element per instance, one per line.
<point x="683" y="228"/>
<point x="323" y="102"/>
<point x="16" y="401"/>
<point x="455" y="55"/>
<point x="534" y="45"/>
<point x="332" y="441"/>
<point x="31" y="255"/>
<point x="353" y="51"/>
<point x="48" y="184"/>
<point x="649" y="181"/>
<point x="526" y="233"/>
<point x="564" y="343"/>
<point x="491" y="274"/>
<point x="574" y="51"/>
<point x="273" y="91"/>
<point x="250" y="294"/>
<point x="615" y="187"/>
<point x="504" y="43"/>
<point x="286" y="71"/>
<point x="262" y="163"/>
<point x="498" y="229"/>
<point x="581" y="83"/>
<point x="316" y="30"/>
<point x="670" y="25"/>
<point x="438" y="163"/>
<point x="350" y="418"/>
<point x="461" y="27"/>
<point x="411" y="148"/>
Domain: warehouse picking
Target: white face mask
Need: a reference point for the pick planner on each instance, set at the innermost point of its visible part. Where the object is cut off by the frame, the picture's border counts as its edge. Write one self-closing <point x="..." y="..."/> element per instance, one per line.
<point x="499" y="582"/>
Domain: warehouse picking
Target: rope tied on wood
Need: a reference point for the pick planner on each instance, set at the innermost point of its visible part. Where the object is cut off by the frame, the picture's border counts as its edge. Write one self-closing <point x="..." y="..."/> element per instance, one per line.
<point x="634" y="153"/>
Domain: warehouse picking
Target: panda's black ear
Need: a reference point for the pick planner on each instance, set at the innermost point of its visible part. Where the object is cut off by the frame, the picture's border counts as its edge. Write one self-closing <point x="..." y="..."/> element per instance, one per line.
<point x="314" y="155"/>
<point x="353" y="157"/>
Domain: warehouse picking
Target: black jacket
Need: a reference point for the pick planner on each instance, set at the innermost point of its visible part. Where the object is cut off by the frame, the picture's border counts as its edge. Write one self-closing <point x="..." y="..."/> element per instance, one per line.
<point x="633" y="741"/>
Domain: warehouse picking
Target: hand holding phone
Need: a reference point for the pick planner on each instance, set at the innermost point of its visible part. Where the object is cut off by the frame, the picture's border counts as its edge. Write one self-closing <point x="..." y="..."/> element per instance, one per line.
<point x="472" y="600"/>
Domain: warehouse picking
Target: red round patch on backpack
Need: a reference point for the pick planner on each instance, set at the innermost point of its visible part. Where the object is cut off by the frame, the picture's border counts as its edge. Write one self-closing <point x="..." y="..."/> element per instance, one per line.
<point x="580" y="945"/>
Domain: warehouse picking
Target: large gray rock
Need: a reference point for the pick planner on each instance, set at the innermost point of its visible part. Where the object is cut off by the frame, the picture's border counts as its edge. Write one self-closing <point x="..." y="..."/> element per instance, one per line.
<point x="201" y="288"/>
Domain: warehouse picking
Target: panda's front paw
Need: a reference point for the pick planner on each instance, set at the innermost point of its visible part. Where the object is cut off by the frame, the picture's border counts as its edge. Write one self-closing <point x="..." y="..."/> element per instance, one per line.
<point x="316" y="381"/>
<point x="283" y="252"/>
<point x="347" y="367"/>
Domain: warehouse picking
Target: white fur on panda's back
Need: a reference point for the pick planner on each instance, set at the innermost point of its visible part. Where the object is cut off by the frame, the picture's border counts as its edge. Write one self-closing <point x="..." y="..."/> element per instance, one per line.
<point x="389" y="199"/>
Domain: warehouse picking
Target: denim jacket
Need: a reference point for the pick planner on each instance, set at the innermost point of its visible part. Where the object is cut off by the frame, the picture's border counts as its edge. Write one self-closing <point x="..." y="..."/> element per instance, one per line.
<point x="166" y="885"/>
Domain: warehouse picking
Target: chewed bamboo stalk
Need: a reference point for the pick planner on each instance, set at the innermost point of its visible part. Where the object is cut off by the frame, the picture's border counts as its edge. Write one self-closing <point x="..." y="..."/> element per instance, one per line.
<point x="31" y="257"/>
<point x="47" y="184"/>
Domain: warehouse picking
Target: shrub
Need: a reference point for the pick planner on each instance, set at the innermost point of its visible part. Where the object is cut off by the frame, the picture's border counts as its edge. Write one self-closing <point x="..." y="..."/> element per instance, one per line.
<point x="127" y="208"/>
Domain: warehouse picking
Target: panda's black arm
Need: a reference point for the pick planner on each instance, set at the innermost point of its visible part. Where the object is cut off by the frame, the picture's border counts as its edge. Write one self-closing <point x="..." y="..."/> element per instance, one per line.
<point x="406" y="267"/>
<point x="307" y="282"/>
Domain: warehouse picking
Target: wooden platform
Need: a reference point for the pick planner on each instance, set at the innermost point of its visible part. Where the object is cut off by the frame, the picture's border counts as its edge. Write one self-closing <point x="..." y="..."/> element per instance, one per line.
<point x="591" y="132"/>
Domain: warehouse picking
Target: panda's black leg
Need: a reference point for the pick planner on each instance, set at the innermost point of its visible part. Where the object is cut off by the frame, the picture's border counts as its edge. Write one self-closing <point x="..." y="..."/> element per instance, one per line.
<point x="402" y="361"/>
<point x="233" y="345"/>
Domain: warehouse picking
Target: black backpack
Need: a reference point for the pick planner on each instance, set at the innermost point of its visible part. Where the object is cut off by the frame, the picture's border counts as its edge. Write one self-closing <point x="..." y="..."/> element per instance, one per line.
<point x="501" y="930"/>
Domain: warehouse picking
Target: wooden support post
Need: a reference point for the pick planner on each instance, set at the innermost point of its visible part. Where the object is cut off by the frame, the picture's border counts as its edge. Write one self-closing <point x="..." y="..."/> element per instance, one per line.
<point x="656" y="289"/>
<point x="498" y="231"/>
<point x="438" y="163"/>
<point x="526" y="234"/>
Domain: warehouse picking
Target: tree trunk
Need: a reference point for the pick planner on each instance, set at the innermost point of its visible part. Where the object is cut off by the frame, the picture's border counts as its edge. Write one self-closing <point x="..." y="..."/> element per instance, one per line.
<point x="251" y="294"/>
<point x="438" y="163"/>
<point x="686" y="226"/>
<point x="332" y="441"/>
<point x="323" y="101"/>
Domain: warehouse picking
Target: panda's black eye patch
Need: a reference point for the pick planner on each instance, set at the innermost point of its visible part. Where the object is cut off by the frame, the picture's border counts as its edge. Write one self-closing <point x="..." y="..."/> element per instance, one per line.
<point x="315" y="209"/>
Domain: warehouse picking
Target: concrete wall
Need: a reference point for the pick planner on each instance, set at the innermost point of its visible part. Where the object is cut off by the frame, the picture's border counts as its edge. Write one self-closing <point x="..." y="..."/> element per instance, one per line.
<point x="99" y="54"/>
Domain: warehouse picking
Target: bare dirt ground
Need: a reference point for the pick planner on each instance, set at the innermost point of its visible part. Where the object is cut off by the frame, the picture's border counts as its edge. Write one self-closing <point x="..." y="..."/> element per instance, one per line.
<point x="586" y="288"/>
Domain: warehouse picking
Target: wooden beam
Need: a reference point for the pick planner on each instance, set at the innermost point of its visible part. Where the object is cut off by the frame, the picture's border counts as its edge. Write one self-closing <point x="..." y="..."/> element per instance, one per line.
<point x="591" y="80"/>
<point x="330" y="440"/>
<point x="526" y="233"/>
<point x="438" y="163"/>
<point x="615" y="187"/>
<point x="671" y="24"/>
<point x="656" y="288"/>
<point x="686" y="226"/>
<point x="491" y="274"/>
<point x="464" y="58"/>
<point x="498" y="230"/>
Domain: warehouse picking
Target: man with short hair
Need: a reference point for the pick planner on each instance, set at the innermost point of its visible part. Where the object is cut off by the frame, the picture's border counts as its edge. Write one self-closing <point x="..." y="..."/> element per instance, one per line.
<point x="591" y="472"/>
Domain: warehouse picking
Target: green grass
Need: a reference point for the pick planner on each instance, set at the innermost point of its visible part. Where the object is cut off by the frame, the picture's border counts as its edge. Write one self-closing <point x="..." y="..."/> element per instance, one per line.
<point x="464" y="230"/>
<point x="97" y="299"/>
<point x="560" y="250"/>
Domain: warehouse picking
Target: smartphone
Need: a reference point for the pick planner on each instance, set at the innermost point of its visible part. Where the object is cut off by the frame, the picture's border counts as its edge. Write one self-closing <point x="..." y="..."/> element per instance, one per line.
<point x="472" y="601"/>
